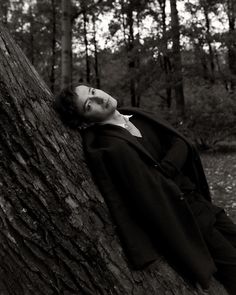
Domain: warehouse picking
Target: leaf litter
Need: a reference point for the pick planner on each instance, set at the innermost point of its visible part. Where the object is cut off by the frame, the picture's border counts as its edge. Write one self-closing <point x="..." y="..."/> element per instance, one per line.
<point x="220" y="169"/>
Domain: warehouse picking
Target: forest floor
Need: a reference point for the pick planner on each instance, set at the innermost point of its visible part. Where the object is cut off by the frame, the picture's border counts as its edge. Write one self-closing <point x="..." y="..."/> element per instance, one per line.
<point x="220" y="171"/>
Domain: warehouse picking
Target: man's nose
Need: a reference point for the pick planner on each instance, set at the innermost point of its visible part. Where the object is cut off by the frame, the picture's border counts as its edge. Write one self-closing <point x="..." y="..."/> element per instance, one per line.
<point x="99" y="100"/>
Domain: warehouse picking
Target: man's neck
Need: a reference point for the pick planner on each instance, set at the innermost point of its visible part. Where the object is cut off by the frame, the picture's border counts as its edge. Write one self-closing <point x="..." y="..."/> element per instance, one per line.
<point x="115" y="118"/>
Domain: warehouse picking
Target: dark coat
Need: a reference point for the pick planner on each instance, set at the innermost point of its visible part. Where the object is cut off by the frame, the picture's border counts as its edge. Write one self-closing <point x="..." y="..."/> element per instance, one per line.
<point x="148" y="208"/>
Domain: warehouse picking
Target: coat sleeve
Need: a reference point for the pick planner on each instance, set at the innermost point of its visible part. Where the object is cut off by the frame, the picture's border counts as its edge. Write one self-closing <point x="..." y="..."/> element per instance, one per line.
<point x="175" y="157"/>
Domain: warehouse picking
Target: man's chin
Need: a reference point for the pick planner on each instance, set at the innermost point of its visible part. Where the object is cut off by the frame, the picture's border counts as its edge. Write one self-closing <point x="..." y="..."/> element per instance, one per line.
<point x="114" y="105"/>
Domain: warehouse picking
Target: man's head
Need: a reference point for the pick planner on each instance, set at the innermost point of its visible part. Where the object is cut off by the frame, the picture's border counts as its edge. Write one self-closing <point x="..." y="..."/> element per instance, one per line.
<point x="84" y="104"/>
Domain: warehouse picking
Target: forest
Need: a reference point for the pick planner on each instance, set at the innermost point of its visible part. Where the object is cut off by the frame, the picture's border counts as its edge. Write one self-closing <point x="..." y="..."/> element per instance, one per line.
<point x="173" y="57"/>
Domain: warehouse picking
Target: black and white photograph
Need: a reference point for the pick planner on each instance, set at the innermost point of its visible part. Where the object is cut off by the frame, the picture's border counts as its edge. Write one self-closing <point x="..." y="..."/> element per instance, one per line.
<point x="118" y="147"/>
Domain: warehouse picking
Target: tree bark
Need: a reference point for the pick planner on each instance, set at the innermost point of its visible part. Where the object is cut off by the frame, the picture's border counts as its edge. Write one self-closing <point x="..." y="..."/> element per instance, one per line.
<point x="177" y="62"/>
<point x="56" y="235"/>
<point x="66" y="44"/>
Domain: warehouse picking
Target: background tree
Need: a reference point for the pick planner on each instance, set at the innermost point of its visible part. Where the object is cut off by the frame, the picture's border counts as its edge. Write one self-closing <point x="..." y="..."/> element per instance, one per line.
<point x="85" y="34"/>
<point x="231" y="13"/>
<point x="130" y="50"/>
<point x="4" y="8"/>
<point x="206" y="5"/>
<point x="177" y="61"/>
<point x="66" y="43"/>
<point x="53" y="44"/>
<point x="96" y="65"/>
<point x="165" y="52"/>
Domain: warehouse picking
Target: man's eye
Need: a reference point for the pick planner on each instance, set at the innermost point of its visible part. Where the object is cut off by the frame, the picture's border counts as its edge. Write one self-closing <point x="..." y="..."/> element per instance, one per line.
<point x="93" y="91"/>
<point x="88" y="107"/>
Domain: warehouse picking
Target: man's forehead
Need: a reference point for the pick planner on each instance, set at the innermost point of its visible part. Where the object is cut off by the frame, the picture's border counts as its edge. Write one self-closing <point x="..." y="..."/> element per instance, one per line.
<point x="82" y="92"/>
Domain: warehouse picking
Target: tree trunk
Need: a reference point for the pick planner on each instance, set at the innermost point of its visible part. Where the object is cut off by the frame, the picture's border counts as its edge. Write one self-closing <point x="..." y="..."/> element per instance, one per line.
<point x="211" y="53"/>
<point x="123" y="22"/>
<point x="200" y="59"/>
<point x="4" y="8"/>
<point x="131" y="58"/>
<point x="98" y="83"/>
<point x="177" y="62"/>
<point x="86" y="41"/>
<point x="166" y="59"/>
<point x="231" y="43"/>
<point x="31" y="38"/>
<point x="53" y="59"/>
<point x="66" y="44"/>
<point x="138" y="69"/>
<point x="56" y="235"/>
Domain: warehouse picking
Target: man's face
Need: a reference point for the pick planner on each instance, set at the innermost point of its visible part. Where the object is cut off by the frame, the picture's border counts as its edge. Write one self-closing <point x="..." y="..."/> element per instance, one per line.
<point x="94" y="104"/>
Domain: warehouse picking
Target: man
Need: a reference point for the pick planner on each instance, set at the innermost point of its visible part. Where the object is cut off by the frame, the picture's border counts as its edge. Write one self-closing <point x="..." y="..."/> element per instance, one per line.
<point x="154" y="185"/>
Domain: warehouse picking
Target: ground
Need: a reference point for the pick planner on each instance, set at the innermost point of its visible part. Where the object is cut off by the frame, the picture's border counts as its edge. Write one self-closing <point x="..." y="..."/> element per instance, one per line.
<point x="220" y="170"/>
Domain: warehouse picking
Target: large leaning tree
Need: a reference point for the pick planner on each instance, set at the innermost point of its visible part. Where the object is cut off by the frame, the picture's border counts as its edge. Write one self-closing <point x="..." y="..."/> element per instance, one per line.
<point x="56" y="233"/>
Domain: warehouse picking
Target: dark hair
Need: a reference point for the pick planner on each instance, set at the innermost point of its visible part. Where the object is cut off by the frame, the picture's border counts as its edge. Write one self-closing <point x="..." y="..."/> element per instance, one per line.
<point x="66" y="107"/>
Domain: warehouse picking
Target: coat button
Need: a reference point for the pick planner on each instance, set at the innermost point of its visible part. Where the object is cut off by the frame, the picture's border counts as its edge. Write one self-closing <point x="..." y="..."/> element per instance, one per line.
<point x="156" y="165"/>
<point x="181" y="197"/>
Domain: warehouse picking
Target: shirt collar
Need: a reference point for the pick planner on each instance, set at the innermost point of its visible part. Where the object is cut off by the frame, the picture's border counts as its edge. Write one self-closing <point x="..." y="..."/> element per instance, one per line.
<point x="124" y="125"/>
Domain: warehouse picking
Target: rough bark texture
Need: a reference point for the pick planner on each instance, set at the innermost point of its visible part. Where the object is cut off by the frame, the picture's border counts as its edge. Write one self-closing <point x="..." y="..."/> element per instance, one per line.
<point x="56" y="235"/>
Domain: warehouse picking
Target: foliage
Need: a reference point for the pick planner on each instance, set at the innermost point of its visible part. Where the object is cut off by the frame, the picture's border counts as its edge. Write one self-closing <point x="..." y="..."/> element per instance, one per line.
<point x="213" y="107"/>
<point x="220" y="170"/>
